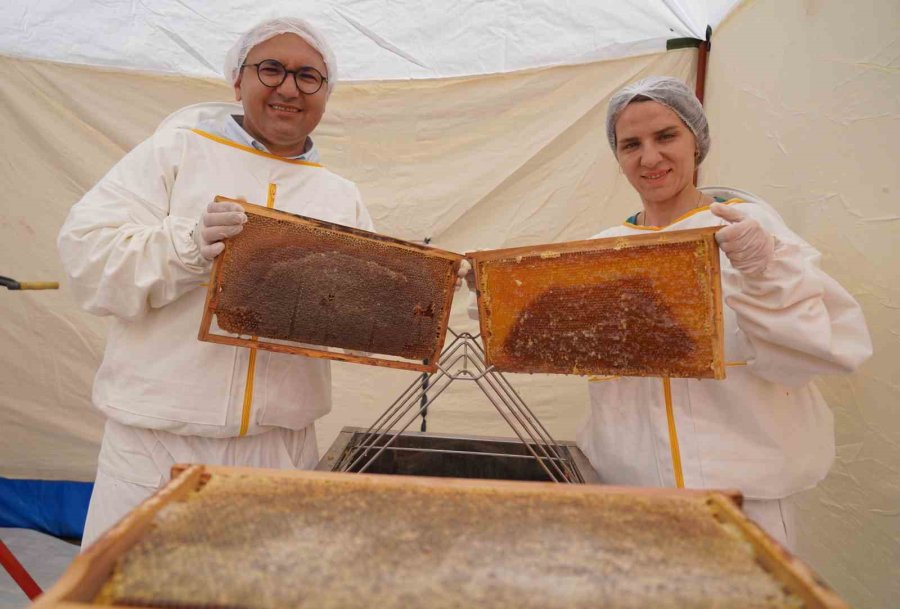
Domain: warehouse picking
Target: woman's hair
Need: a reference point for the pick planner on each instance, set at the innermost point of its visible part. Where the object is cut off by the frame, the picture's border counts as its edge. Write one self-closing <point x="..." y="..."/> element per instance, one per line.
<point x="669" y="92"/>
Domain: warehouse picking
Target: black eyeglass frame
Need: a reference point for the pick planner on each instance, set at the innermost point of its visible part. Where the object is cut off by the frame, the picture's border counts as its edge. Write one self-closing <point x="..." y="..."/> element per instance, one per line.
<point x="304" y="69"/>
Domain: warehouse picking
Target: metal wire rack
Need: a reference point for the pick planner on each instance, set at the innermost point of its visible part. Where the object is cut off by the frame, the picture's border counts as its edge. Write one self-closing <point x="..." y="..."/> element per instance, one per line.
<point x="462" y="360"/>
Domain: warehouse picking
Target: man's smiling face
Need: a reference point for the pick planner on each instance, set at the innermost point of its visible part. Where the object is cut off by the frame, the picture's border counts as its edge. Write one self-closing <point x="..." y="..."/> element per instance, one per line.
<point x="282" y="117"/>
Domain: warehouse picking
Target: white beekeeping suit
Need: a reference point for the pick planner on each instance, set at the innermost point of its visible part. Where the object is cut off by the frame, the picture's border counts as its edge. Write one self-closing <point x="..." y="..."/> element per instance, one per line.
<point x="128" y="250"/>
<point x="765" y="429"/>
<point x="139" y="245"/>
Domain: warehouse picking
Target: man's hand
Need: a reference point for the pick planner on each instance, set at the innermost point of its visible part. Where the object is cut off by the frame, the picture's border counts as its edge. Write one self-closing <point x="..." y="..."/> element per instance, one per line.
<point x="467" y="273"/>
<point x="747" y="244"/>
<point x="219" y="221"/>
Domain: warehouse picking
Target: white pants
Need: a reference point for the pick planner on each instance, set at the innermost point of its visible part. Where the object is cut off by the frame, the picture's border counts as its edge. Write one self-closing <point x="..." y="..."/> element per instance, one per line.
<point x="775" y="517"/>
<point x="134" y="463"/>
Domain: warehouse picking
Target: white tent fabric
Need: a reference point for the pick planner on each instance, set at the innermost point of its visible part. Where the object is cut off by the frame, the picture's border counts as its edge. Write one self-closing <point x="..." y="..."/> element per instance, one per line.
<point x="479" y="126"/>
<point x="373" y="39"/>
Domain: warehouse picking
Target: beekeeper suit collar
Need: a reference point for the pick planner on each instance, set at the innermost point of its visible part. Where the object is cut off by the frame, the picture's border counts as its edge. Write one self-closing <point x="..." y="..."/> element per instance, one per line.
<point x="230" y="128"/>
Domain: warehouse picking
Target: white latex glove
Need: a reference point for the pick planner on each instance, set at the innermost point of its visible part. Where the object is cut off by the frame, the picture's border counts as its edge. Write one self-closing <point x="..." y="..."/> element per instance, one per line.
<point x="747" y="244"/>
<point x="466" y="273"/>
<point x="219" y="221"/>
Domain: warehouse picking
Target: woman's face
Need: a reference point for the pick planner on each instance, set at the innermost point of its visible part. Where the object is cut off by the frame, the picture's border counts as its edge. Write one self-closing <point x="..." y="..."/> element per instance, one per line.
<point x="656" y="150"/>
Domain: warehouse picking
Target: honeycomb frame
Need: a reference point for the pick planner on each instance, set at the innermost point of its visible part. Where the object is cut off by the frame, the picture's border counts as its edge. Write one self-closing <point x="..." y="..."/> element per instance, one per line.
<point x="666" y="533"/>
<point x="642" y="305"/>
<point x="282" y="285"/>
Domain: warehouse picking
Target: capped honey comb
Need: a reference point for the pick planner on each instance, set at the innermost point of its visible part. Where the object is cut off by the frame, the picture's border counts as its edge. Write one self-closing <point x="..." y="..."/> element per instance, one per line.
<point x="647" y="305"/>
<point x="311" y="287"/>
<point x="260" y="542"/>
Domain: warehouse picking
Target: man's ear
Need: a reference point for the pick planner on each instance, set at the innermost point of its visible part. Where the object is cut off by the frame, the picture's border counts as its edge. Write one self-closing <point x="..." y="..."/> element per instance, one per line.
<point x="237" y="88"/>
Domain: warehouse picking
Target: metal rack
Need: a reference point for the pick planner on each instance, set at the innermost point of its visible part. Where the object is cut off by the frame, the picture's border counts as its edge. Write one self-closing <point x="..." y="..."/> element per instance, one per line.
<point x="462" y="360"/>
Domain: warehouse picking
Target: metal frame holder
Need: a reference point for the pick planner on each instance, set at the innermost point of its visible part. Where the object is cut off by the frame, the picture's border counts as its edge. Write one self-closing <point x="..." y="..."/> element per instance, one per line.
<point x="462" y="360"/>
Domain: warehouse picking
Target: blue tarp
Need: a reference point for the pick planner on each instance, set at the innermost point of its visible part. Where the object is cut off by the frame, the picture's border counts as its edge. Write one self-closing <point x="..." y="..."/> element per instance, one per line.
<point x="55" y="507"/>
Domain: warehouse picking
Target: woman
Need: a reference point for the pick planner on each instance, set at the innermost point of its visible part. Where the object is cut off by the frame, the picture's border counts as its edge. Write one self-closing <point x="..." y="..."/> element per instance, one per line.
<point x="765" y="429"/>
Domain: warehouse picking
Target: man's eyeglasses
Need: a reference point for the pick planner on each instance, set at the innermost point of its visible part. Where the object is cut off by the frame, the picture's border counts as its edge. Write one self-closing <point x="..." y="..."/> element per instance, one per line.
<point x="272" y="73"/>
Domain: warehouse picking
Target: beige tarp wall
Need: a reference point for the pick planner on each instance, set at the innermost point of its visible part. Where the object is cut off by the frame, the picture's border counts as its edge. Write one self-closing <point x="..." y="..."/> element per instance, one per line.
<point x="803" y="112"/>
<point x="804" y="104"/>
<point x="479" y="162"/>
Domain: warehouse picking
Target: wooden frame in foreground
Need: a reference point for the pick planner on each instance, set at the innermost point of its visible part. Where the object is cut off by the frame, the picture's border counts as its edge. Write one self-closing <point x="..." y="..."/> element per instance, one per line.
<point x="444" y="283"/>
<point x="90" y="570"/>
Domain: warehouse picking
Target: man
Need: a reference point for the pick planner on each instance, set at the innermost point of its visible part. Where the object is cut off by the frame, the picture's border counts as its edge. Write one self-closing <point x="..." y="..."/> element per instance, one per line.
<point x="139" y="247"/>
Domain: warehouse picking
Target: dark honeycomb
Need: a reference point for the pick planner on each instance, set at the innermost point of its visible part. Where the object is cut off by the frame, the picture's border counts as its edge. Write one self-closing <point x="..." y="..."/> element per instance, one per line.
<point x="288" y="280"/>
<point x="639" y="332"/>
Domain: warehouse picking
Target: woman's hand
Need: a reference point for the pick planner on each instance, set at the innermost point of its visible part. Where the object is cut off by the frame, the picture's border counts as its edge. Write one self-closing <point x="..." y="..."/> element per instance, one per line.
<point x="747" y="244"/>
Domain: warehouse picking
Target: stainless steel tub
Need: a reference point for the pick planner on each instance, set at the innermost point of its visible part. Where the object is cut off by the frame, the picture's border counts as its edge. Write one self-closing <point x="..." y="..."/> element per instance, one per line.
<point x="449" y="456"/>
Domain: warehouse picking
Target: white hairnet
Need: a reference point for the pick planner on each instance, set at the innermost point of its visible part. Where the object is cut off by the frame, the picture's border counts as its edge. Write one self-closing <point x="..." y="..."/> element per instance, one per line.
<point x="270" y="28"/>
<point x="669" y="92"/>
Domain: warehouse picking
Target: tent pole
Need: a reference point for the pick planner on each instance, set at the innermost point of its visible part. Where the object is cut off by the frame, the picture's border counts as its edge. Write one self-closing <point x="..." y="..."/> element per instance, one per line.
<point x="702" y="60"/>
<point x="700" y="85"/>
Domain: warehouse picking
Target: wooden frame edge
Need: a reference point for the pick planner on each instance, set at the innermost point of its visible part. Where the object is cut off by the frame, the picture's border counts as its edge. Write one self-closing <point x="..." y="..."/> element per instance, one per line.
<point x="82" y="578"/>
<point x="432" y="364"/>
<point x="251" y="343"/>
<point x="482" y="311"/>
<point x="589" y="245"/>
<point x="395" y="480"/>
<point x="209" y="303"/>
<point x="278" y="214"/>
<point x="718" y="364"/>
<point x="781" y="564"/>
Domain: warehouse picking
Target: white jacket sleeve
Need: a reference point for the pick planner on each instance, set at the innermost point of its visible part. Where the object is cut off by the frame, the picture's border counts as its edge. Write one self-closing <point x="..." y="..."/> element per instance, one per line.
<point x="363" y="218"/>
<point x="796" y="320"/>
<point x="121" y="249"/>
